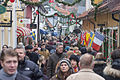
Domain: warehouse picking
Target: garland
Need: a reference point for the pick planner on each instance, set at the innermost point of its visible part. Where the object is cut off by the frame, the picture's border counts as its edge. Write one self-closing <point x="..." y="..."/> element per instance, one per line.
<point x="65" y="3"/>
<point x="39" y="3"/>
<point x="33" y="3"/>
<point x="59" y="15"/>
<point x="96" y="7"/>
<point x="5" y="3"/>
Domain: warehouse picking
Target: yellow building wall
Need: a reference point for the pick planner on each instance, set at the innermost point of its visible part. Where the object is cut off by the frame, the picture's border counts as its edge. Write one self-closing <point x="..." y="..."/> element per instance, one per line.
<point x="100" y="19"/>
<point x="20" y="14"/>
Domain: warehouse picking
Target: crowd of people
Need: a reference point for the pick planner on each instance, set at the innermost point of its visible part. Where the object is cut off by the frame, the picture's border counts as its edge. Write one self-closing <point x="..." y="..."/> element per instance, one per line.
<point x="57" y="59"/>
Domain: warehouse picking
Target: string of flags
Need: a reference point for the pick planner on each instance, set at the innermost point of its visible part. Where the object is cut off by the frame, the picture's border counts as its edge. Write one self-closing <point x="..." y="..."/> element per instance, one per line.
<point x="93" y="40"/>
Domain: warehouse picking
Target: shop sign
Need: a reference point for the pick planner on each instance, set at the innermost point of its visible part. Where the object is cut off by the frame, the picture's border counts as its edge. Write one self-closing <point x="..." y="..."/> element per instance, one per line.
<point x="6" y="19"/>
<point x="2" y="9"/>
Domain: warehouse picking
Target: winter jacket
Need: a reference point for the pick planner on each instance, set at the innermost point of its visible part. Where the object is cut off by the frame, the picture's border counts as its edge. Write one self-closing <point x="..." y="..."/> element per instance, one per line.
<point x="112" y="72"/>
<point x="30" y="69"/>
<point x="45" y="53"/>
<point x="33" y="56"/>
<point x="85" y="74"/>
<point x="21" y="77"/>
<point x="55" y="78"/>
<point x="52" y="62"/>
<point x="99" y="66"/>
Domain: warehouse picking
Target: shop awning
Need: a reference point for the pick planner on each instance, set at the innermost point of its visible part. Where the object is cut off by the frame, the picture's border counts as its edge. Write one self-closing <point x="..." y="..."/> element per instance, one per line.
<point x="23" y="31"/>
<point x="43" y="32"/>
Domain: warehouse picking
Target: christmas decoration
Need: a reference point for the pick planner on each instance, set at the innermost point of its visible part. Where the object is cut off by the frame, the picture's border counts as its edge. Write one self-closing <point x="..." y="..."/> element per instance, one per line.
<point x="37" y="12"/>
<point x="96" y="7"/>
<point x="51" y="1"/>
<point x="12" y="1"/>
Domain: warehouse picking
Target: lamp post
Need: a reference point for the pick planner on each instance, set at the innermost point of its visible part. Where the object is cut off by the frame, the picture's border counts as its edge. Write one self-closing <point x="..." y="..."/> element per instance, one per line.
<point x="14" y="24"/>
<point x="119" y="29"/>
<point x="38" y="30"/>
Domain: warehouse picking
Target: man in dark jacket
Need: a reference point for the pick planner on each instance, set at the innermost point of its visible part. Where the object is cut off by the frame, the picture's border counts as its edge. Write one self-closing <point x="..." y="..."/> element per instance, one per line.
<point x="33" y="56"/>
<point x="112" y="72"/>
<point x="27" y="67"/>
<point x="9" y="62"/>
<point x="54" y="58"/>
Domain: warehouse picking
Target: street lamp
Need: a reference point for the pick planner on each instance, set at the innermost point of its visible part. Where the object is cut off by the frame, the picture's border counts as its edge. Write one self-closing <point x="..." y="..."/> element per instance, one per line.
<point x="38" y="30"/>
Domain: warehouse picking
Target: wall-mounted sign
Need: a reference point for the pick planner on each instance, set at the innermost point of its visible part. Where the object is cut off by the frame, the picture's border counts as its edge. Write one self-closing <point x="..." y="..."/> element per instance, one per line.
<point x="2" y="9"/>
<point x="24" y="21"/>
<point x="6" y="19"/>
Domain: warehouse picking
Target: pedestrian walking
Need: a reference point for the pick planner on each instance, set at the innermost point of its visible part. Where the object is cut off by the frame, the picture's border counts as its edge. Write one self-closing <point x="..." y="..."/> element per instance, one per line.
<point x="112" y="72"/>
<point x="54" y="59"/>
<point x="9" y="62"/>
<point x="74" y="62"/>
<point x="27" y="67"/>
<point x="99" y="63"/>
<point x="86" y="70"/>
<point x="64" y="69"/>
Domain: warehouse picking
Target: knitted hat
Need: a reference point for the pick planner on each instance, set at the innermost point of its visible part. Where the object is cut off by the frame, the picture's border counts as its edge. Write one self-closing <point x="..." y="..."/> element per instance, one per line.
<point x="74" y="57"/>
<point x="65" y="61"/>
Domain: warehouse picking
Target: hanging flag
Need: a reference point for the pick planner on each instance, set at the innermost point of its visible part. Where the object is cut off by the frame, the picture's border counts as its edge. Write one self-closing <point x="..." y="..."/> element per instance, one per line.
<point x="87" y="38"/>
<point x="91" y="39"/>
<point x="33" y="35"/>
<point x="98" y="40"/>
<point x="83" y="38"/>
<point x="51" y="1"/>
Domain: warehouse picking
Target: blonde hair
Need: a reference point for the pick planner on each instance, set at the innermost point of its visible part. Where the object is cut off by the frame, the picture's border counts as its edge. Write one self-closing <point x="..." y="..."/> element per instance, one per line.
<point x="99" y="55"/>
<point x="40" y="60"/>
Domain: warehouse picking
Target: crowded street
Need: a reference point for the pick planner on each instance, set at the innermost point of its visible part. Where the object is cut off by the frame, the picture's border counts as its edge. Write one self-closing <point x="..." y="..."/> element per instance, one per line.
<point x="59" y="39"/>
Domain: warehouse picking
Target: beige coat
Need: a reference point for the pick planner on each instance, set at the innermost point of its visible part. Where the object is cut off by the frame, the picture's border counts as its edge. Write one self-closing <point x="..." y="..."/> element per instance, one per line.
<point x="85" y="74"/>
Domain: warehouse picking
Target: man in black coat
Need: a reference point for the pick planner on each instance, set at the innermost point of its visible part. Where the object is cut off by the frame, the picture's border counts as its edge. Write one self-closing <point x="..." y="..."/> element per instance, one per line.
<point x="27" y="67"/>
<point x="54" y="59"/>
<point x="33" y="56"/>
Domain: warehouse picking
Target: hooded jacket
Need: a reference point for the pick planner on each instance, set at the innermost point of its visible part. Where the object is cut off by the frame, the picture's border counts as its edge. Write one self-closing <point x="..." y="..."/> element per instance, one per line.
<point x="99" y="65"/>
<point x="112" y="72"/>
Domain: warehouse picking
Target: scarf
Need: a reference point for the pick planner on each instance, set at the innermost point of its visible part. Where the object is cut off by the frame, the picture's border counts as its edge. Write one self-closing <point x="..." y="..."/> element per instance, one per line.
<point x="75" y="69"/>
<point x="5" y="76"/>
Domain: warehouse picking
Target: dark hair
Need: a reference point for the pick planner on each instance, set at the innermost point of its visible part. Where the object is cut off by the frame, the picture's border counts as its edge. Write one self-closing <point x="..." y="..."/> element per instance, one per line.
<point x="8" y="52"/>
<point x="59" y="43"/>
<point x="4" y="46"/>
<point x="115" y="54"/>
<point x="60" y="75"/>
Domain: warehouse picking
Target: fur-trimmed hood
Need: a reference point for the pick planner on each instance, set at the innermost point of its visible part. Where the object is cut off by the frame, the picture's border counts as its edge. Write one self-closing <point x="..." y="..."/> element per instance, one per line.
<point x="111" y="71"/>
<point x="99" y="61"/>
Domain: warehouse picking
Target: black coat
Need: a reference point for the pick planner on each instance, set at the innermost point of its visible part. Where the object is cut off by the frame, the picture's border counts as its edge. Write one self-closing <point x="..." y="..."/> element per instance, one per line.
<point x="0" y="66"/>
<point x="99" y="66"/>
<point x="33" y="56"/>
<point x="21" y="77"/>
<point x="112" y="72"/>
<point x="30" y="69"/>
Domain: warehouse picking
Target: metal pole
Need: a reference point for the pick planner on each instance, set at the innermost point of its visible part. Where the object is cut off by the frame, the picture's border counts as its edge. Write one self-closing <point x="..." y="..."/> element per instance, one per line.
<point x="38" y="30"/>
<point x="119" y="30"/>
<point x="14" y="27"/>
